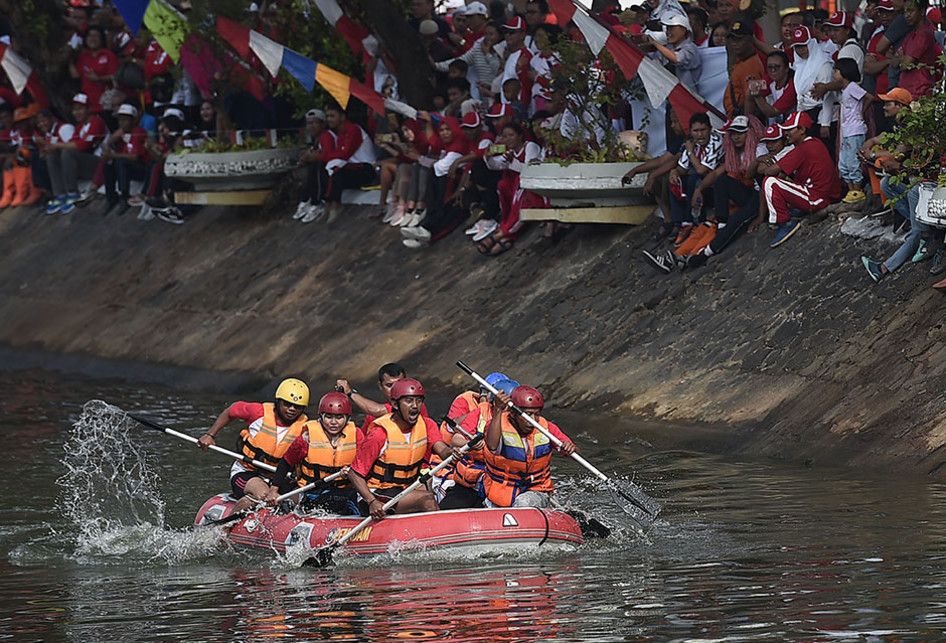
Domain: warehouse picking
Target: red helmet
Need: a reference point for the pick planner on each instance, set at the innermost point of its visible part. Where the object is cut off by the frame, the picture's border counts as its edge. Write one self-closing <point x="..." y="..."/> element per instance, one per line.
<point x="526" y="397"/>
<point x="407" y="387"/>
<point x="335" y="403"/>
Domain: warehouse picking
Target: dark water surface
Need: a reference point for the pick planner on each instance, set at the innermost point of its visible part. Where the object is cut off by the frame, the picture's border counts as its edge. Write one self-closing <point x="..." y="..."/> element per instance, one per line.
<point x="742" y="551"/>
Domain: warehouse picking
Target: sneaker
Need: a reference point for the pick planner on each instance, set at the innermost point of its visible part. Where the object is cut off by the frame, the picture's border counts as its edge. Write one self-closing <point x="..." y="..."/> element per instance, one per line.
<point x="301" y="209"/>
<point x="784" y="232"/>
<point x="489" y="228"/>
<point x="476" y="227"/>
<point x="419" y="216"/>
<point x="939" y="263"/>
<point x="873" y="269"/>
<point x="400" y="216"/>
<point x="171" y="215"/>
<point x="922" y="252"/>
<point x="145" y="213"/>
<point x="313" y="213"/>
<point x="54" y="205"/>
<point x="85" y="197"/>
<point x="416" y="232"/>
<point x="414" y="244"/>
<point x="66" y="207"/>
<point x="696" y="261"/>
<point x="664" y="261"/>
<point x="391" y="213"/>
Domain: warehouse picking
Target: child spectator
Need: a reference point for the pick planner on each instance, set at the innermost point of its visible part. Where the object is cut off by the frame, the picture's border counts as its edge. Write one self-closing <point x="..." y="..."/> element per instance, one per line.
<point x="853" y="127"/>
<point x="512" y="90"/>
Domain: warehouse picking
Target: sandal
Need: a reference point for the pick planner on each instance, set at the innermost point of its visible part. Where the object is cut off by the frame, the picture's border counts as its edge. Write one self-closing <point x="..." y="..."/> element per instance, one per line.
<point x="485" y="247"/>
<point x="501" y="244"/>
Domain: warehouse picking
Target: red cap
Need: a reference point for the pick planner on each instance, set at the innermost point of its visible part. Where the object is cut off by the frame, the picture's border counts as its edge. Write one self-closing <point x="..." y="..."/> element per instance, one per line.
<point x="886" y="5"/>
<point x="407" y="387"/>
<point x="498" y="110"/>
<point x="801" y="36"/>
<point x="526" y="397"/>
<point x="772" y="133"/>
<point x="335" y="403"/>
<point x="934" y="15"/>
<point x="471" y="120"/>
<point x="797" y="119"/>
<point x="516" y="23"/>
<point x="840" y="19"/>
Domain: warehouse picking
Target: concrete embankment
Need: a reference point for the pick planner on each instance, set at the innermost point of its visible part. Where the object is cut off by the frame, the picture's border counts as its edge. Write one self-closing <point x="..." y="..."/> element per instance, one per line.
<point x="794" y="348"/>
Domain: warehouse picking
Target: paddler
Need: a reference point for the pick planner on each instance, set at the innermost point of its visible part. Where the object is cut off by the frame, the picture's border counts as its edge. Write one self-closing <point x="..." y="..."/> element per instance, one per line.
<point x="517" y="457"/>
<point x="467" y="474"/>
<point x="387" y="376"/>
<point x="325" y="446"/>
<point x="394" y="450"/>
<point x="271" y="428"/>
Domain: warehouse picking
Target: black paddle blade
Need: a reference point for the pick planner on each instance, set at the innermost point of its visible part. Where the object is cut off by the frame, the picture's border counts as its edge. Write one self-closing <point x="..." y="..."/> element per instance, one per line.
<point x="321" y="557"/>
<point x="226" y="520"/>
<point x="634" y="502"/>
<point x="590" y="527"/>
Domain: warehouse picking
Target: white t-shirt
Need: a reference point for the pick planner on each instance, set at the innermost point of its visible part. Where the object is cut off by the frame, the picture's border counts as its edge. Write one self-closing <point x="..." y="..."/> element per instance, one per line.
<point x="852" y="114"/>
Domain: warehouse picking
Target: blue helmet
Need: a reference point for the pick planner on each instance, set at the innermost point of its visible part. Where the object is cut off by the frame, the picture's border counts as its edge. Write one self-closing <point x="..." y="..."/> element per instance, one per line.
<point x="493" y="378"/>
<point x="506" y="386"/>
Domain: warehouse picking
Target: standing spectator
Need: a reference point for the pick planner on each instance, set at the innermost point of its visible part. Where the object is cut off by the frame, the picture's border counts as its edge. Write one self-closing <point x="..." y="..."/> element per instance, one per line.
<point x="422" y="10"/>
<point x="853" y="127"/>
<point x="893" y="36"/>
<point x="701" y="154"/>
<point x="518" y="60"/>
<point x="918" y="54"/>
<point x="483" y="61"/>
<point x="813" y="181"/>
<point x="125" y="156"/>
<point x="95" y="67"/>
<point x="680" y="50"/>
<point x="747" y="65"/>
<point x="698" y="22"/>
<point x="350" y="164"/>
<point x="876" y="80"/>
<point x="812" y="66"/>
<point x="73" y="158"/>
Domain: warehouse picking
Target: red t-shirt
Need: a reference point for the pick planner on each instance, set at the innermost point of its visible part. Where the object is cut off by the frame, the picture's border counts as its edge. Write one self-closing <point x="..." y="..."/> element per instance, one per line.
<point x="134" y="143"/>
<point x="249" y="412"/>
<point x="157" y="61"/>
<point x="920" y="44"/>
<point x="810" y="165"/>
<point x="90" y="134"/>
<point x="369" y="449"/>
<point x="299" y="448"/>
<point x="103" y="63"/>
<point x="882" y="79"/>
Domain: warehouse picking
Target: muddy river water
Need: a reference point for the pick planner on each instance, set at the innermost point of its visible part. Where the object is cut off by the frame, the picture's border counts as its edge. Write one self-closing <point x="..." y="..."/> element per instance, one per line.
<point x="100" y="548"/>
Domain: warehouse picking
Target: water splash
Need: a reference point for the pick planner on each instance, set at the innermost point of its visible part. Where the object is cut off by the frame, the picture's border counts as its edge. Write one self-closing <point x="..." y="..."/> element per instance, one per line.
<point x="110" y="497"/>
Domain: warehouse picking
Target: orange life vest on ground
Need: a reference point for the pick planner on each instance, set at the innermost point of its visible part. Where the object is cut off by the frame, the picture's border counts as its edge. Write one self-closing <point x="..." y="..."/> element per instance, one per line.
<point x="263" y="446"/>
<point x="522" y="464"/>
<point x="469" y="470"/>
<point x="399" y="464"/>
<point x="323" y="459"/>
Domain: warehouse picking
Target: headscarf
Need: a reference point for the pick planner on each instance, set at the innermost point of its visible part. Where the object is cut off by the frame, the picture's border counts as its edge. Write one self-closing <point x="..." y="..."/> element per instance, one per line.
<point x="460" y="144"/>
<point x="807" y="69"/>
<point x="736" y="164"/>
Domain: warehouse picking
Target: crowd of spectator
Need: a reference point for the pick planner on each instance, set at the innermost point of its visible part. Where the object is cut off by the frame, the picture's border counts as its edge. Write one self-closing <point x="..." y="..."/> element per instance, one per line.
<point x="799" y="128"/>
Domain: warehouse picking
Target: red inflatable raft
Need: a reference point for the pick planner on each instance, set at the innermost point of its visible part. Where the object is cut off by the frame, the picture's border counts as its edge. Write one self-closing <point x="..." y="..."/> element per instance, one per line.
<point x="467" y="530"/>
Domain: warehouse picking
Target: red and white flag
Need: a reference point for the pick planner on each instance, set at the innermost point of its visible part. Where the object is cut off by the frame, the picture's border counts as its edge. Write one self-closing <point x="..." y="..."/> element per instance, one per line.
<point x="358" y="38"/>
<point x="661" y="86"/>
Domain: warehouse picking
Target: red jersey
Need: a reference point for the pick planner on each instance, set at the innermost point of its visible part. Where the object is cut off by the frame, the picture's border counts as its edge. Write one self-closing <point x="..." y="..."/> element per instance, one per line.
<point x="102" y="63"/>
<point x="90" y="134"/>
<point x="157" y="61"/>
<point x="369" y="449"/>
<point x="133" y="143"/>
<point x="810" y="165"/>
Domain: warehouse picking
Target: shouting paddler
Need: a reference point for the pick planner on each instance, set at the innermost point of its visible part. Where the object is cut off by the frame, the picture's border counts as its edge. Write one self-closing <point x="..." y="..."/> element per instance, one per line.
<point x="395" y="447"/>
<point x="271" y="428"/>
<point x="326" y="446"/>
<point x="517" y="457"/>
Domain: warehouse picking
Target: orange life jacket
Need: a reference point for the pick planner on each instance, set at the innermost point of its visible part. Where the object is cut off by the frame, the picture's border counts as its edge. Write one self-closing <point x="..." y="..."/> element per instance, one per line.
<point x="323" y="459"/>
<point x="263" y="446"/>
<point x="399" y="464"/>
<point x="470" y="469"/>
<point x="522" y="464"/>
<point x="470" y="397"/>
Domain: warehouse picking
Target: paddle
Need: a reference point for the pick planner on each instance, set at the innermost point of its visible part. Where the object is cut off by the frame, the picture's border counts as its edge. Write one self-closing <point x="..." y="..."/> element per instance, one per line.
<point x="589" y="526"/>
<point x="647" y="506"/>
<point x="212" y="447"/>
<point x="323" y="556"/>
<point x="324" y="482"/>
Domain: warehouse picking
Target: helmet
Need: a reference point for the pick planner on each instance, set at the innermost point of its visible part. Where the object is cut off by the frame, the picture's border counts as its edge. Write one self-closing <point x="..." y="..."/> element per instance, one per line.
<point x="293" y="391"/>
<point x="493" y="378"/>
<point x="506" y="386"/>
<point x="335" y="403"/>
<point x="407" y="387"/>
<point x="526" y="397"/>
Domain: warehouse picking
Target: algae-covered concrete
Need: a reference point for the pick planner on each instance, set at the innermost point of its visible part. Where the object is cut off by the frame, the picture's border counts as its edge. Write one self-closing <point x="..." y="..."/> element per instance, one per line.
<point x="793" y="347"/>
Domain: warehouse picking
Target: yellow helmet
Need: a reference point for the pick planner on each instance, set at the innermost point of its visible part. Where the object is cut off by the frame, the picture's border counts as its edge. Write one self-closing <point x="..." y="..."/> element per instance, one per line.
<point x="293" y="391"/>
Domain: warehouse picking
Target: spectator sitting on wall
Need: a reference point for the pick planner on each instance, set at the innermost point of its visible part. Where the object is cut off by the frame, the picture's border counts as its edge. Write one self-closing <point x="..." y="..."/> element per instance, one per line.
<point x="350" y="165"/>
<point x="69" y="161"/>
<point x="318" y="141"/>
<point x="125" y="155"/>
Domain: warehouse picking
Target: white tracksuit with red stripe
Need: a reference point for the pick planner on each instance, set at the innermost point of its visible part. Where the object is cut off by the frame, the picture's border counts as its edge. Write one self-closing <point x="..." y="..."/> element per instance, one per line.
<point x="814" y="181"/>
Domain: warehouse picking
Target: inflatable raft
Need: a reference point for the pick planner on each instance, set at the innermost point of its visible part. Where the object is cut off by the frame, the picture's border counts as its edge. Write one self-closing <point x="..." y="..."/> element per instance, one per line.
<point x="461" y="530"/>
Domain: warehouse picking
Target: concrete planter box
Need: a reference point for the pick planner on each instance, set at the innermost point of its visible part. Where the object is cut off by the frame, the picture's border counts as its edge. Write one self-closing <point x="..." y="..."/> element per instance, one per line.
<point x="250" y="170"/>
<point x="588" y="192"/>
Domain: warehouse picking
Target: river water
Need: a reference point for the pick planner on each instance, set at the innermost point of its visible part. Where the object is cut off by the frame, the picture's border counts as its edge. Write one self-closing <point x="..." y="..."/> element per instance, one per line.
<point x="742" y="550"/>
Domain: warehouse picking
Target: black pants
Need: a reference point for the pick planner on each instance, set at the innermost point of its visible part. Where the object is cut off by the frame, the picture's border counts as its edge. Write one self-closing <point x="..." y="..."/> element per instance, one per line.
<point x="460" y="497"/>
<point x="350" y="177"/>
<point x="728" y="190"/>
<point x="315" y="183"/>
<point x="343" y="502"/>
<point x="120" y="173"/>
<point x="482" y="189"/>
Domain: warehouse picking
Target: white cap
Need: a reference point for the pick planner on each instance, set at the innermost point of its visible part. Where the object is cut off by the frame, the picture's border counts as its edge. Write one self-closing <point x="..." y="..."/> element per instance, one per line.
<point x="82" y="99"/>
<point x="676" y="20"/>
<point x="127" y="110"/>
<point x="253" y="8"/>
<point x="316" y="113"/>
<point x="476" y="9"/>
<point x="428" y="28"/>
<point x="173" y="111"/>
